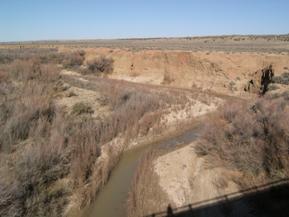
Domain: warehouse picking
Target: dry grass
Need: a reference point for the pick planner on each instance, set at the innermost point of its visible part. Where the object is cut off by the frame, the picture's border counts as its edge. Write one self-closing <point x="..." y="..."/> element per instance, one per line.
<point x="44" y="55"/>
<point x="27" y="116"/>
<point x="84" y="141"/>
<point x="250" y="138"/>
<point x="27" y="101"/>
<point x="34" y="163"/>
<point x="133" y="110"/>
<point x="31" y="188"/>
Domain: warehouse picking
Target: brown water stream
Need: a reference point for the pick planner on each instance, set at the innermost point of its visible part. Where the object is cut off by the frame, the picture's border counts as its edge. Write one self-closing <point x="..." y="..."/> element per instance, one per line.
<point x="111" y="200"/>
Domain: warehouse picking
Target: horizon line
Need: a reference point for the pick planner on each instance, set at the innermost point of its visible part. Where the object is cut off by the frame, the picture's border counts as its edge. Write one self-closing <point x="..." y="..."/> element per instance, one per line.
<point x="142" y="38"/>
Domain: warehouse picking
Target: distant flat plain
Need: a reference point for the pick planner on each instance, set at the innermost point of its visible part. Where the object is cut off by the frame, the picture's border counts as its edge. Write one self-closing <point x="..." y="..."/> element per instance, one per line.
<point x="235" y="43"/>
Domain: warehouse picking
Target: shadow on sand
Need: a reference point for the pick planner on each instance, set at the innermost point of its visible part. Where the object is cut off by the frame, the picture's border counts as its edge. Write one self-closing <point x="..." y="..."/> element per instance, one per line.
<point x="270" y="200"/>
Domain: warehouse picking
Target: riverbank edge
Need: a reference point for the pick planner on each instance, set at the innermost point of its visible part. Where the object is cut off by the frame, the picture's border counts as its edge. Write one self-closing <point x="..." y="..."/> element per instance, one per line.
<point x="110" y="156"/>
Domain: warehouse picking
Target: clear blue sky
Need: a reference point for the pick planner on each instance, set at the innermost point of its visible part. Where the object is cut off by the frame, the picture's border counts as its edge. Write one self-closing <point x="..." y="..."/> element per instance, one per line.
<point x="90" y="19"/>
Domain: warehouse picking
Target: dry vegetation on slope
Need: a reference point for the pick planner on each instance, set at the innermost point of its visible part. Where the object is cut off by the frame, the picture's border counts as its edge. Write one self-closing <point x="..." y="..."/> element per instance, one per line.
<point x="60" y="135"/>
<point x="242" y="146"/>
<point x="47" y="154"/>
<point x="61" y="132"/>
<point x="251" y="138"/>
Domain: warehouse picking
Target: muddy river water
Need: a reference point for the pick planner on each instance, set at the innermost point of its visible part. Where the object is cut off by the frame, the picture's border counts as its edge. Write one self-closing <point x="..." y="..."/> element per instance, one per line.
<point x="111" y="201"/>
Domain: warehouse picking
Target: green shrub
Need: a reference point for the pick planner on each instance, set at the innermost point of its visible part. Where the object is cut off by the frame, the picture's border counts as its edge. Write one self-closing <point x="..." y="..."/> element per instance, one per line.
<point x="81" y="108"/>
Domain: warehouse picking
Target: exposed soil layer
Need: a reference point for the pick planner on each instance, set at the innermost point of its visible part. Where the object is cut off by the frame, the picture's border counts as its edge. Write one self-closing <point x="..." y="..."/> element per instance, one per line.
<point x="221" y="72"/>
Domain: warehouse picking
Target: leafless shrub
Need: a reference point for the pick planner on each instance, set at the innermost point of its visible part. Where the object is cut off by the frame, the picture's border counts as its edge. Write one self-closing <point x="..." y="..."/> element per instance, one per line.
<point x="32" y="185"/>
<point x="32" y="69"/>
<point x="33" y="137"/>
<point x="20" y="124"/>
<point x="84" y="140"/>
<point x="52" y="58"/>
<point x="27" y="194"/>
<point x="23" y="114"/>
<point x="74" y="59"/>
<point x="23" y="70"/>
<point x="29" y="102"/>
<point x="252" y="139"/>
<point x="100" y="65"/>
<point x="4" y="59"/>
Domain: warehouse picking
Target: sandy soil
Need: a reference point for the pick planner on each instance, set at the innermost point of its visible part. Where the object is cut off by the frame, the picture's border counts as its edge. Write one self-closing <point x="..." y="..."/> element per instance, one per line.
<point x="183" y="176"/>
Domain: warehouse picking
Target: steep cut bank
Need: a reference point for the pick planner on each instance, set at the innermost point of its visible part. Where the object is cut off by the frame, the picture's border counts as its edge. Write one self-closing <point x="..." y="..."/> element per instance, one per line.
<point x="216" y="71"/>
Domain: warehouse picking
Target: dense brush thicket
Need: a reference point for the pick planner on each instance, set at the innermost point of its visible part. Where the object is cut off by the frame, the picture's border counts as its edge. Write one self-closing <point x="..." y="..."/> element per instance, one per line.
<point x="252" y="138"/>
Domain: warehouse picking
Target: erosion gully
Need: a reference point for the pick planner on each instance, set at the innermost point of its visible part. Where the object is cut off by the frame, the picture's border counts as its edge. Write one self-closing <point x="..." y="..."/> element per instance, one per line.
<point x="111" y="201"/>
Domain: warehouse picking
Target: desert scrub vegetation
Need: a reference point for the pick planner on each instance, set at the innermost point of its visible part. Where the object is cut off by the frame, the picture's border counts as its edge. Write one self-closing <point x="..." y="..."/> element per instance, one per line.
<point x="44" y="153"/>
<point x="36" y="149"/>
<point x="252" y="138"/>
<point x="44" y="55"/>
<point x="27" y="118"/>
<point x="48" y="156"/>
<point x="81" y="108"/>
<point x="73" y="59"/>
<point x="99" y="66"/>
